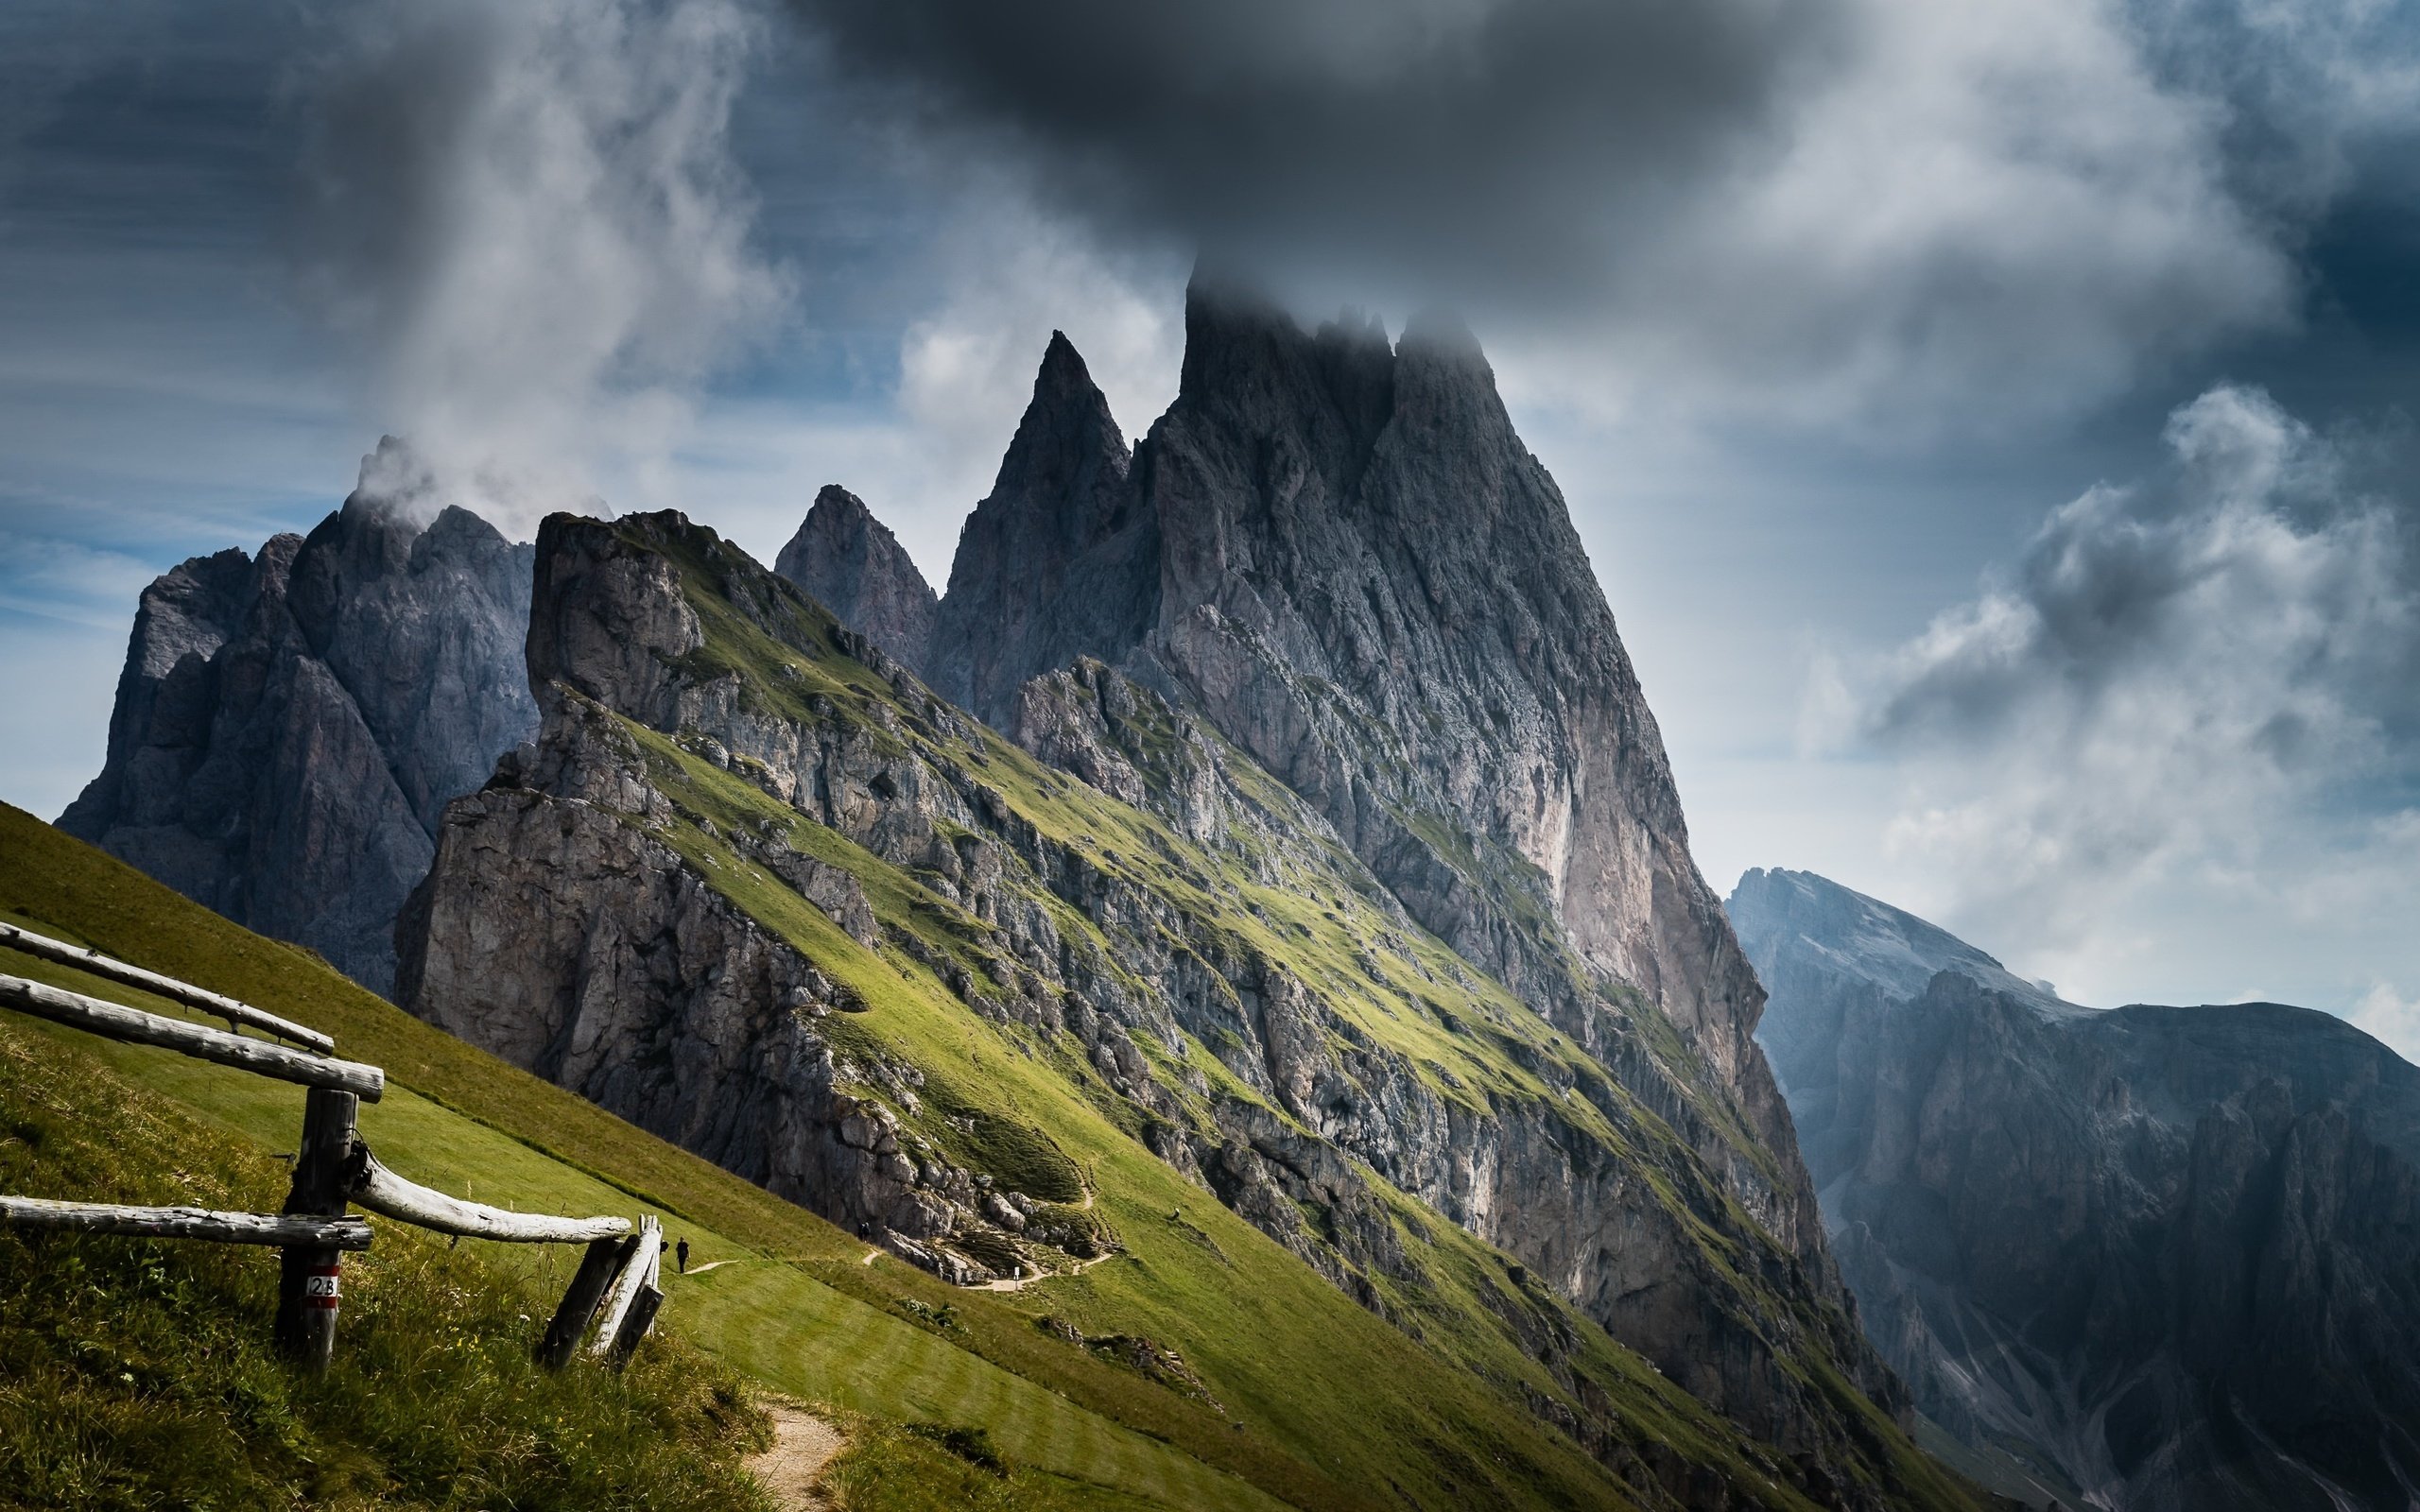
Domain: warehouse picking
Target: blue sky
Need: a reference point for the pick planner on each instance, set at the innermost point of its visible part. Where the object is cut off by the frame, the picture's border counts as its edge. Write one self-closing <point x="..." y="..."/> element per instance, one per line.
<point x="1991" y="424"/>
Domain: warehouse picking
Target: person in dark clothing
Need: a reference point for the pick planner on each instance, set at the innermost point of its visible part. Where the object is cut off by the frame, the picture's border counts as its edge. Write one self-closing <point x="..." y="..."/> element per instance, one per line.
<point x="683" y="1253"/>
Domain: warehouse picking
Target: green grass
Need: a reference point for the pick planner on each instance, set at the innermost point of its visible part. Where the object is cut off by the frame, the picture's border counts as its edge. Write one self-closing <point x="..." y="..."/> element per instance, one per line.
<point x="1321" y="1403"/>
<point x="917" y="1466"/>
<point x="138" y="1373"/>
<point x="799" y="1312"/>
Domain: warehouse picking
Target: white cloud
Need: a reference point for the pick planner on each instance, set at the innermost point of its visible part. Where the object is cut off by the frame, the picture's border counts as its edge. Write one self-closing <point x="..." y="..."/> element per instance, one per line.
<point x="528" y="220"/>
<point x="2192" y="697"/>
<point x="2391" y="1017"/>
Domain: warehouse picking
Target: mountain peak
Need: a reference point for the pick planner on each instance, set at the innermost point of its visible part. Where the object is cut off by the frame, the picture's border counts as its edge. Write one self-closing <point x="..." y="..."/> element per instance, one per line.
<point x="1891" y="949"/>
<point x="849" y="561"/>
<point x="839" y="502"/>
<point x="1059" y="560"/>
<point x="1067" y="453"/>
<point x="1063" y="367"/>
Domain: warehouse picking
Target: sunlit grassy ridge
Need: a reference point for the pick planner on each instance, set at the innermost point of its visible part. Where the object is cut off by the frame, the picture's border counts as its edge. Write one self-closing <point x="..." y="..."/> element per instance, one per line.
<point x="1320" y="1403"/>
<point x="1310" y="909"/>
<point x="798" y="1309"/>
<point x="138" y="1373"/>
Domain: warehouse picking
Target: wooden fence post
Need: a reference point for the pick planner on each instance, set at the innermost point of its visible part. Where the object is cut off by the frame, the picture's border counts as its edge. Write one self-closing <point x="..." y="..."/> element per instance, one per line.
<point x="635" y="1324"/>
<point x="596" y="1268"/>
<point x="307" y="1287"/>
<point x="636" y="1275"/>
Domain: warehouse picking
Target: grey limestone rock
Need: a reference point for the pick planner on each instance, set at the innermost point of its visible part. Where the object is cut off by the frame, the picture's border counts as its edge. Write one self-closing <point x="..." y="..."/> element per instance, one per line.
<point x="510" y="932"/>
<point x="1338" y="554"/>
<point x="2170" y="1254"/>
<point x="850" y="562"/>
<point x="289" y="726"/>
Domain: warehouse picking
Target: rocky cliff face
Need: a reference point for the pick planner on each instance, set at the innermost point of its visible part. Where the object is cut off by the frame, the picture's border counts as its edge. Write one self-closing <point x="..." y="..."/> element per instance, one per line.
<point x="1060" y="560"/>
<point x="289" y="726"/>
<point x="2169" y="1255"/>
<point x="850" y="562"/>
<point x="1340" y="553"/>
<point x="742" y="824"/>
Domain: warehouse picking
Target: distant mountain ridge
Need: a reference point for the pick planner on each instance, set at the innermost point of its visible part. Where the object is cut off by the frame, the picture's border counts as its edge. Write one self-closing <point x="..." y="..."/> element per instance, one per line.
<point x="1270" y="801"/>
<point x="1351" y="876"/>
<point x="289" y="726"/>
<point x="2169" y="1255"/>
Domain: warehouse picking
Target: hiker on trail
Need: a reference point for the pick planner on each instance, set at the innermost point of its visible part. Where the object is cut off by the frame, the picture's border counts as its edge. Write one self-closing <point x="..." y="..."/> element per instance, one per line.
<point x="684" y="1253"/>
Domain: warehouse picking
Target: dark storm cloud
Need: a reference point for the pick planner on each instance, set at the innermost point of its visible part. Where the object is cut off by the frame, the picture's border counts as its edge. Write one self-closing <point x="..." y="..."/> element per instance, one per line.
<point x="1840" y="209"/>
<point x="528" y="223"/>
<point x="1451" y="133"/>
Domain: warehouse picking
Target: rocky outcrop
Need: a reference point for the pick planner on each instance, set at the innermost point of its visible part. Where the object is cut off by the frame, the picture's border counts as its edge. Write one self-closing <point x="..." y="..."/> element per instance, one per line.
<point x="289" y="726"/>
<point x="638" y="1004"/>
<point x="1339" y="554"/>
<point x="2170" y="1254"/>
<point x="1060" y="560"/>
<point x="1178" y="895"/>
<point x="850" y="562"/>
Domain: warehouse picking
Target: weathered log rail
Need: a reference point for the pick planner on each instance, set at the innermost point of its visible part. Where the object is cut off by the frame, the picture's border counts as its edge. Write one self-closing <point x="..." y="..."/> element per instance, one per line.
<point x="258" y="1056"/>
<point x="185" y="1223"/>
<point x="43" y="947"/>
<point x="333" y="1171"/>
<point x="383" y="1192"/>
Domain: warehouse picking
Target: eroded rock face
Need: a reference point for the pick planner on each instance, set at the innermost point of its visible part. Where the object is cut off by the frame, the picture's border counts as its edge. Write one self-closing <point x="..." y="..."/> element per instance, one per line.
<point x="627" y="977"/>
<point x="2171" y="1253"/>
<point x="1341" y="556"/>
<point x="667" y="1006"/>
<point x="1060" y="560"/>
<point x="850" y="562"/>
<point x="289" y="726"/>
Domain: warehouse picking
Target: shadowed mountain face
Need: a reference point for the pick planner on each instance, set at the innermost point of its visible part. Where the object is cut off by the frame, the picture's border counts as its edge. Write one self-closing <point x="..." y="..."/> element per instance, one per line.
<point x="1339" y="552"/>
<point x="850" y="562"/>
<point x="2169" y="1255"/>
<point x="1331" y="850"/>
<point x="289" y="726"/>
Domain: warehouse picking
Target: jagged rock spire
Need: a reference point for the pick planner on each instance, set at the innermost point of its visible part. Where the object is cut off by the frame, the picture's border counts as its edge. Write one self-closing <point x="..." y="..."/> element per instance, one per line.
<point x="850" y="562"/>
<point x="1341" y="553"/>
<point x="1058" y="560"/>
<point x="291" y="725"/>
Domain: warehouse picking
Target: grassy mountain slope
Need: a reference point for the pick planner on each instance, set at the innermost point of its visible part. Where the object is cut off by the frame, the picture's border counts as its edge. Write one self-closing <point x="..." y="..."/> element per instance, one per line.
<point x="800" y="1311"/>
<point x="138" y="1374"/>
<point x="1441" y="1389"/>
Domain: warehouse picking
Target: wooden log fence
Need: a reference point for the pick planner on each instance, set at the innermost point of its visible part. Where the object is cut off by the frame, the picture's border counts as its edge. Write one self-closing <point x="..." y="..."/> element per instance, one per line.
<point x="197" y="1040"/>
<point x="627" y="1310"/>
<point x="308" y="1274"/>
<point x="383" y="1192"/>
<point x="43" y="948"/>
<point x="597" y="1267"/>
<point x="184" y="1223"/>
<point x="620" y="1272"/>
